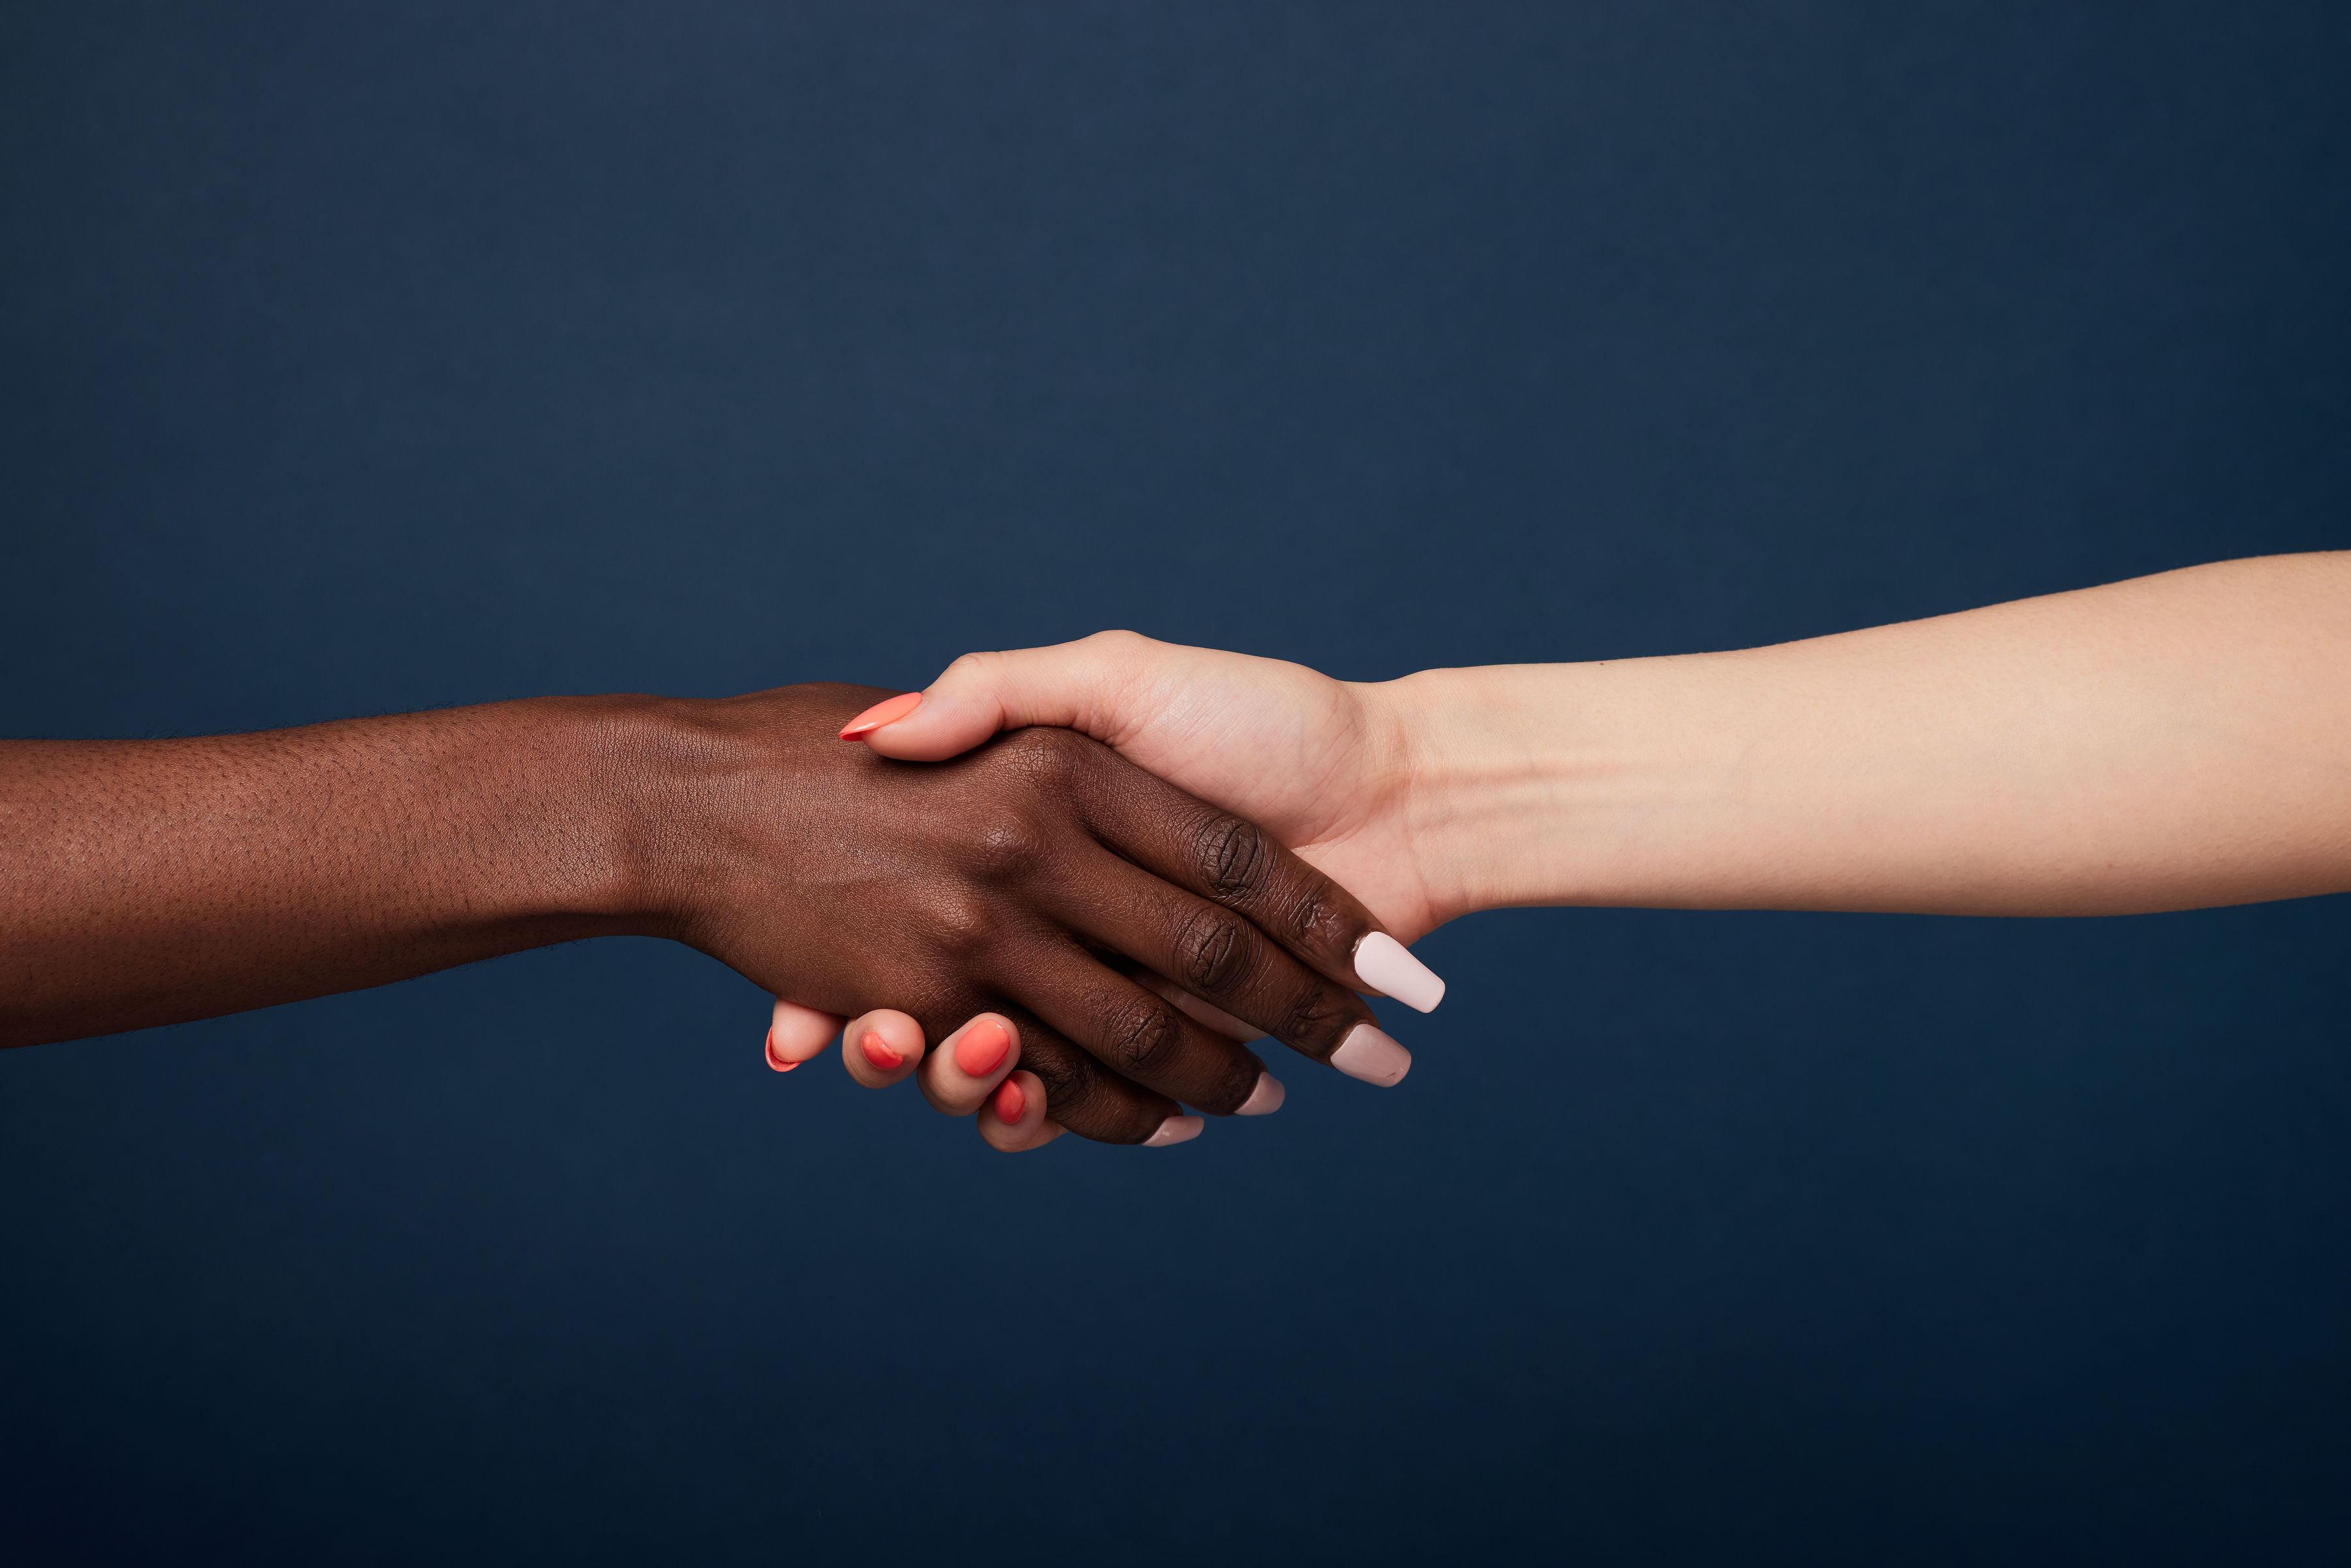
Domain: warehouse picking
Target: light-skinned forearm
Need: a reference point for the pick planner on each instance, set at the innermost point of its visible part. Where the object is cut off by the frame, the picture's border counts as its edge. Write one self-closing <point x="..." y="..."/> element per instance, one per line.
<point x="2172" y="742"/>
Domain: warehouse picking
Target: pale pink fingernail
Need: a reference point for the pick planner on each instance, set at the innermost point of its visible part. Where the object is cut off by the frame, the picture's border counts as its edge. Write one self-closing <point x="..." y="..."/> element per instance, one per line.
<point x="1371" y="1056"/>
<point x="888" y="711"/>
<point x="1176" y="1130"/>
<point x="1383" y="963"/>
<point x="1265" y="1099"/>
<point x="877" y="1051"/>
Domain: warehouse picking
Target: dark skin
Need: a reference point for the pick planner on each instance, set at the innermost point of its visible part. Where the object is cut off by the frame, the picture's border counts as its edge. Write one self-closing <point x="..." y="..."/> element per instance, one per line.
<point x="155" y="882"/>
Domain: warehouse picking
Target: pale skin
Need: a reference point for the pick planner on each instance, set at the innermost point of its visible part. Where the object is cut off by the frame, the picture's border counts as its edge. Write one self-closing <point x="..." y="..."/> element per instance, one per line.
<point x="2179" y="741"/>
<point x="2174" y="742"/>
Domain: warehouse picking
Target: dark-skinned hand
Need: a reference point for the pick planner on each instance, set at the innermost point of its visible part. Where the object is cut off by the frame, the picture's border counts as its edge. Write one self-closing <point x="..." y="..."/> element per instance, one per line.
<point x="1040" y="879"/>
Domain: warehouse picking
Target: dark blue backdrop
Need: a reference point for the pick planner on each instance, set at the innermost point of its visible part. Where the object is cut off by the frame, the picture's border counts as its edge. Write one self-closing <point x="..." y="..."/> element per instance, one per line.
<point x="359" y="358"/>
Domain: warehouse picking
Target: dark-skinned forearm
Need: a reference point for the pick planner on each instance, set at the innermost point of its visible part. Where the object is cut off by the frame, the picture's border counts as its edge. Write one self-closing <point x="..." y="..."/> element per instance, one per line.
<point x="152" y="881"/>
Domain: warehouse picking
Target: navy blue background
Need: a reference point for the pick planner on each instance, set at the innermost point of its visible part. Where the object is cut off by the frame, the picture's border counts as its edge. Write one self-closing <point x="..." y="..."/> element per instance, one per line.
<point x="359" y="358"/>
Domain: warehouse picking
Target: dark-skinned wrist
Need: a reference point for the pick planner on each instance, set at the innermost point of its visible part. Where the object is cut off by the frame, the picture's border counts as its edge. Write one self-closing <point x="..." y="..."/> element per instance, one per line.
<point x="702" y="792"/>
<point x="622" y="771"/>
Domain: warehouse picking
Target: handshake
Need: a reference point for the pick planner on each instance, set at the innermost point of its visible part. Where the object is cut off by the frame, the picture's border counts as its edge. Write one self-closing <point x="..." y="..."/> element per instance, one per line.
<point x="1064" y="888"/>
<point x="1103" y="867"/>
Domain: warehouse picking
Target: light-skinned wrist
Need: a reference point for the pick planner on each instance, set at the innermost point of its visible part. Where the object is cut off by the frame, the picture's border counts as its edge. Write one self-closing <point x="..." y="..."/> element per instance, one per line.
<point x="1546" y="784"/>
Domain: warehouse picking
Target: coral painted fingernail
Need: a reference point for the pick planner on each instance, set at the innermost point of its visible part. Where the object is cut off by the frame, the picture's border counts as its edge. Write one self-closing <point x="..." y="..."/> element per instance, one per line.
<point x="981" y="1050"/>
<point x="1265" y="1099"/>
<point x="1176" y="1130"/>
<point x="882" y="713"/>
<point x="1382" y="964"/>
<point x="777" y="1062"/>
<point x="1371" y="1056"/>
<point x="1009" y="1102"/>
<point x="877" y="1051"/>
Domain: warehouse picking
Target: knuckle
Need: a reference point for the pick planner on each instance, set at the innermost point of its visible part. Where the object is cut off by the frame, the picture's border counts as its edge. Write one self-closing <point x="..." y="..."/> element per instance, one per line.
<point x="1233" y="855"/>
<point x="1007" y="845"/>
<point x="1067" y="1088"/>
<point x="959" y="928"/>
<point x="1124" y="661"/>
<point x="1316" y="920"/>
<point x="1144" y="1036"/>
<point x="970" y="665"/>
<point x="1048" y="758"/>
<point x="1122" y="646"/>
<point x="1219" y="954"/>
<point x="1077" y="1096"/>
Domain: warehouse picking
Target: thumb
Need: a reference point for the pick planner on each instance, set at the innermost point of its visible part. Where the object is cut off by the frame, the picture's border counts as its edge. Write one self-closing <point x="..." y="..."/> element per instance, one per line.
<point x="1091" y="686"/>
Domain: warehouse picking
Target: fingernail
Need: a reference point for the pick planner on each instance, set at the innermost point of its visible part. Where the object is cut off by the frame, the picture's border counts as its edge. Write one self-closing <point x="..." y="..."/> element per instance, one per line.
<point x="887" y="712"/>
<point x="1009" y="1102"/>
<point x="1176" y="1130"/>
<point x="877" y="1051"/>
<point x="981" y="1050"/>
<point x="777" y="1062"/>
<point x="1383" y="963"/>
<point x="1266" y="1098"/>
<point x="1371" y="1056"/>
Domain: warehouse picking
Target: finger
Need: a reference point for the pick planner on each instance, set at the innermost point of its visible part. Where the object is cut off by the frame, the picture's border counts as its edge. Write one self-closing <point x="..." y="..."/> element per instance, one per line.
<point x="969" y="1063"/>
<point x="881" y="1048"/>
<point x="1233" y="863"/>
<point x="797" y="1033"/>
<point x="1092" y="1101"/>
<point x="1207" y="1014"/>
<point x="1222" y="959"/>
<point x="1013" y="1120"/>
<point x="1085" y="685"/>
<point x="1137" y="1034"/>
<point x="1269" y="1092"/>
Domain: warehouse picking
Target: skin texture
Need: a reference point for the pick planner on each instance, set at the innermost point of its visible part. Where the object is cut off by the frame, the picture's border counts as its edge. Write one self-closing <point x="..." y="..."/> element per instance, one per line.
<point x="158" y="881"/>
<point x="2172" y="742"/>
<point x="1329" y="763"/>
